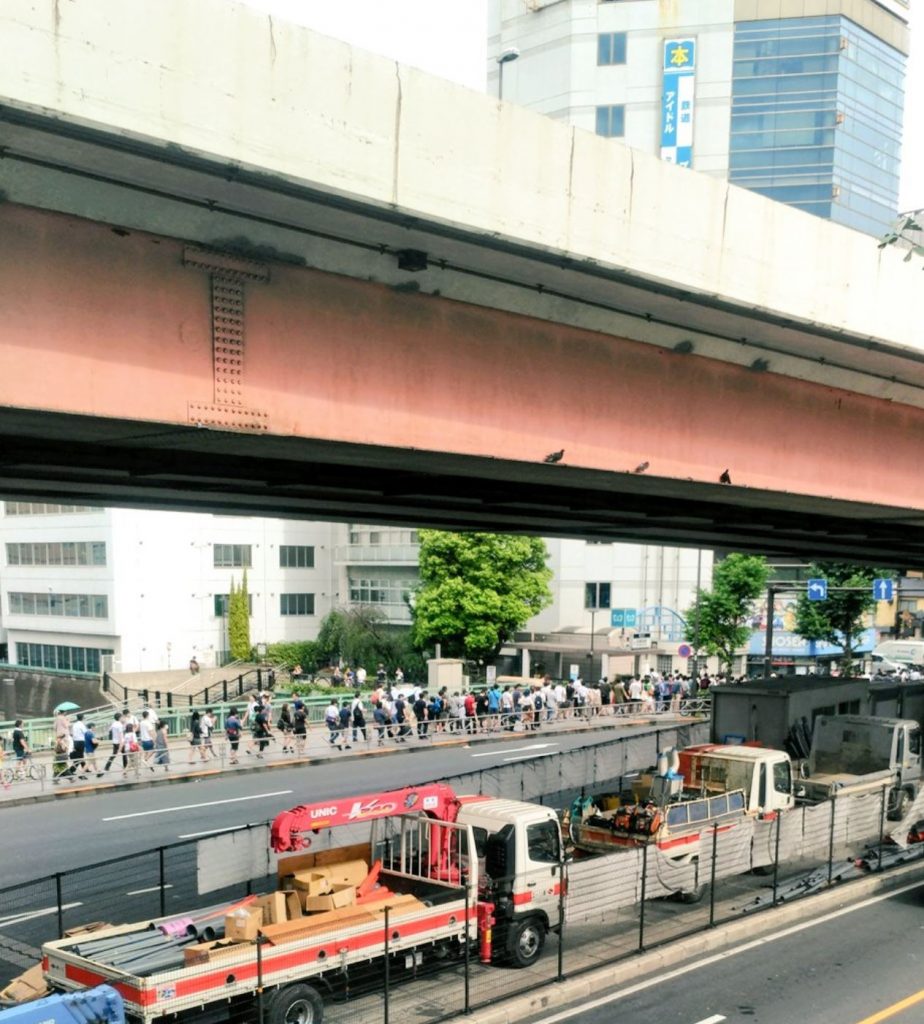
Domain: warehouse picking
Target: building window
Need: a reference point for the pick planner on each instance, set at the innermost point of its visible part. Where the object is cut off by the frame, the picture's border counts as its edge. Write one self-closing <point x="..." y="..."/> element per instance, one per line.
<point x="611" y="121"/>
<point x="232" y="556"/>
<point x="665" y="664"/>
<point x="221" y="605"/>
<point x="390" y="591"/>
<point x="56" y="656"/>
<point x="78" y="606"/>
<point x="596" y="595"/>
<point x="43" y="508"/>
<point x="296" y="604"/>
<point x="296" y="556"/>
<point x="67" y="553"/>
<point x="611" y="48"/>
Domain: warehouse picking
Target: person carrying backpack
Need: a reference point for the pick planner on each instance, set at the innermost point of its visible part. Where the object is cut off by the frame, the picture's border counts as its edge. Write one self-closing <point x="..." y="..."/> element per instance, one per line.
<point x="233" y="732"/>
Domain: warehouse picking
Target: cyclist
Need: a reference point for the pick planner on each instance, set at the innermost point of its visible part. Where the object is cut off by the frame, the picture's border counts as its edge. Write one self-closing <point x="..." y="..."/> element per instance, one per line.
<point x="21" y="747"/>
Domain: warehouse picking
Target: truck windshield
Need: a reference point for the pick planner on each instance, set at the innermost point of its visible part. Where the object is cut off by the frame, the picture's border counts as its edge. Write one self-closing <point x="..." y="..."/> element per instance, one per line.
<point x="782" y="777"/>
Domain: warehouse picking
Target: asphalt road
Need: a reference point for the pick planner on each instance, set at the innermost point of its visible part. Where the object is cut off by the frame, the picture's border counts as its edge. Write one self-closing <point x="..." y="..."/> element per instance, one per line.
<point x="858" y="965"/>
<point x="40" y="839"/>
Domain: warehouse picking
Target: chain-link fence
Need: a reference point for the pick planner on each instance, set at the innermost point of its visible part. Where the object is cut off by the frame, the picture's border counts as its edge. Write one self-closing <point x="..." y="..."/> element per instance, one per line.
<point x="377" y="962"/>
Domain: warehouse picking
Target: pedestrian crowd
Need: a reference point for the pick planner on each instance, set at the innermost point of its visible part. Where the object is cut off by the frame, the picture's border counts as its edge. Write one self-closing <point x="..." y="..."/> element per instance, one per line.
<point x="395" y="712"/>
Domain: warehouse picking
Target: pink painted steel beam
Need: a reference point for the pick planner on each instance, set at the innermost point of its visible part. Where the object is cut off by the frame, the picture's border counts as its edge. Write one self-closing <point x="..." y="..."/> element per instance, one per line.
<point x="103" y="323"/>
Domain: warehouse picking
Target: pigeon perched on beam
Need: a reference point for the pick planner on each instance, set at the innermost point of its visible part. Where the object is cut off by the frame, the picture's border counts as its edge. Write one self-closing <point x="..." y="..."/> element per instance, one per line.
<point x="641" y="467"/>
<point x="725" y="478"/>
<point x="555" y="456"/>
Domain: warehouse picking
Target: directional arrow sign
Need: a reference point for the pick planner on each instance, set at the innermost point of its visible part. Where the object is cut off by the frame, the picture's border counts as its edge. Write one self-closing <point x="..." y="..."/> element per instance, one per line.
<point x="883" y="589"/>
<point x="817" y="590"/>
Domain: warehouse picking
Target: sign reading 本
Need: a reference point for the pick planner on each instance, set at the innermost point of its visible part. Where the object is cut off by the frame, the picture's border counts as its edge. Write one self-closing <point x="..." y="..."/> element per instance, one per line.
<point x="677" y="101"/>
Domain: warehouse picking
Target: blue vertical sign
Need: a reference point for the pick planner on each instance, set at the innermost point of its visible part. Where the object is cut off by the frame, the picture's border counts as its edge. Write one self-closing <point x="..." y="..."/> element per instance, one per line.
<point x="677" y="101"/>
<point x="883" y="590"/>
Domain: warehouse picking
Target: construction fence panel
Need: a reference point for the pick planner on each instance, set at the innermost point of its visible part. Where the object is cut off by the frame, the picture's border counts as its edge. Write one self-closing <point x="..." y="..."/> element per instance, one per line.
<point x="29" y="916"/>
<point x="865" y="819"/>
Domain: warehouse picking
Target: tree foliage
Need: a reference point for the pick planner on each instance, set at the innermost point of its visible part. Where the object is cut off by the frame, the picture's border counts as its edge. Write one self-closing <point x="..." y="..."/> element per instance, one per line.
<point x="841" y="617"/>
<point x="239" y="620"/>
<point x="361" y="636"/>
<point x="477" y="589"/>
<point x="906" y="232"/>
<point x="717" y="623"/>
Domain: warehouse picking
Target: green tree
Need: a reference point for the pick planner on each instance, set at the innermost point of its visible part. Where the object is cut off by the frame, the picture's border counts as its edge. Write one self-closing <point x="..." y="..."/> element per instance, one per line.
<point x="841" y="617"/>
<point x="906" y="232"/>
<point x="717" y="623"/>
<point x="239" y="620"/>
<point x="477" y="589"/>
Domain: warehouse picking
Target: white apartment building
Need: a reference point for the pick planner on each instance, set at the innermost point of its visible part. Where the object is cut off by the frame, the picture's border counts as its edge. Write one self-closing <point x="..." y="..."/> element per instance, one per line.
<point x="150" y="589"/>
<point x="85" y="588"/>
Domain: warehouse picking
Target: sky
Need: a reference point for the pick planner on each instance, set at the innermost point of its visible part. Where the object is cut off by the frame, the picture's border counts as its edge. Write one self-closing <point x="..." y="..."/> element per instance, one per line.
<point x="448" y="38"/>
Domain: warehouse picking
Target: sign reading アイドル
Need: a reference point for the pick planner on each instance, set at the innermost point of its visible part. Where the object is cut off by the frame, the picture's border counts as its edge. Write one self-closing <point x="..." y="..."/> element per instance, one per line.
<point x="678" y="101"/>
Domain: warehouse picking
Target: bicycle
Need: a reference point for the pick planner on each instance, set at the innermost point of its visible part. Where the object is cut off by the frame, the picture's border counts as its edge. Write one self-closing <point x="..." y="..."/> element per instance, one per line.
<point x="22" y="770"/>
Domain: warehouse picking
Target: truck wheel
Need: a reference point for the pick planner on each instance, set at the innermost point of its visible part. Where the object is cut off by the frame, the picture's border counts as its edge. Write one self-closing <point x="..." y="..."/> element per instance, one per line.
<point x="525" y="941"/>
<point x="295" y="1004"/>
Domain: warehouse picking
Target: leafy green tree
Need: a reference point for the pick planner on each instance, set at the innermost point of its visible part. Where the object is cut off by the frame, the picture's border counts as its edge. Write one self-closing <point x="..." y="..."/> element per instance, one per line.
<point x="906" y="231"/>
<point x="841" y="617"/>
<point x="477" y="589"/>
<point x="717" y="623"/>
<point x="239" y="621"/>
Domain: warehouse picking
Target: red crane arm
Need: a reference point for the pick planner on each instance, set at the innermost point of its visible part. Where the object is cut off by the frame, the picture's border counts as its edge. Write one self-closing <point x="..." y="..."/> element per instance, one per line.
<point x="287" y="832"/>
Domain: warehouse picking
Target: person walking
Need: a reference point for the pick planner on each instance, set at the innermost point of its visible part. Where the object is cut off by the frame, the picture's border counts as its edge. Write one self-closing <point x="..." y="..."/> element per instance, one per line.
<point x="299" y="727"/>
<point x="208" y="732"/>
<point x="358" y="713"/>
<point x="78" y="731"/>
<point x="346" y="717"/>
<point x="161" y="748"/>
<point x="116" y="732"/>
<point x="90" y="747"/>
<point x="332" y="721"/>
<point x="146" y="733"/>
<point x="380" y="718"/>
<point x="233" y="732"/>
<point x="421" y="711"/>
<point x="261" y="729"/>
<point x="285" y="725"/>
<point x="130" y="749"/>
<point x="195" y="738"/>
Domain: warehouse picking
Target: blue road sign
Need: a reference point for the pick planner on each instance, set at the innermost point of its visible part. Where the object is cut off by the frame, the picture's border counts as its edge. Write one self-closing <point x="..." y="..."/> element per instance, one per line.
<point x="623" y="618"/>
<point x="883" y="589"/>
<point x="816" y="590"/>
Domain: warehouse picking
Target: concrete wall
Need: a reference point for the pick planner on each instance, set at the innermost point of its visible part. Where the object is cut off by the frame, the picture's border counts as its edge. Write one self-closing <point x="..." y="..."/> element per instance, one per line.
<point x="308" y="109"/>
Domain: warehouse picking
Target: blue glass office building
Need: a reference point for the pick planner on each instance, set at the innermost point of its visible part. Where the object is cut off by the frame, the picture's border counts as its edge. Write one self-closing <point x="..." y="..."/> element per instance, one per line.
<point x="816" y="118"/>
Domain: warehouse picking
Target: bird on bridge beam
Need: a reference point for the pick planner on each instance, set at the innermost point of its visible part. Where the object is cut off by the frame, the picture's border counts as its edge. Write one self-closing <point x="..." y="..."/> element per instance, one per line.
<point x="725" y="478"/>
<point x="641" y="467"/>
<point x="555" y="456"/>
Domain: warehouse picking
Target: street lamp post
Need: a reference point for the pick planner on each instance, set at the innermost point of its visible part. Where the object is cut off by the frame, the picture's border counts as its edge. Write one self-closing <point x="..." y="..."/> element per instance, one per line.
<point x="506" y="56"/>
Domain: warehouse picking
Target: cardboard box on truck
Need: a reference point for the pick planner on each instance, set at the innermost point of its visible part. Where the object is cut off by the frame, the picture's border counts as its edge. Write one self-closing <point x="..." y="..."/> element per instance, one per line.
<point x="243" y="924"/>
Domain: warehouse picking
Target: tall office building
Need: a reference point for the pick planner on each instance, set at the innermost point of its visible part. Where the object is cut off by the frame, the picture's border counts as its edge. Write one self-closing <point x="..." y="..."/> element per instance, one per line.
<point x="799" y="100"/>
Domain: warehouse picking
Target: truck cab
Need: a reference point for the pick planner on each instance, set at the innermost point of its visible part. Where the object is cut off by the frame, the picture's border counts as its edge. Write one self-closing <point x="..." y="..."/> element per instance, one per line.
<point x="850" y="751"/>
<point x="521" y="856"/>
<point x="763" y="774"/>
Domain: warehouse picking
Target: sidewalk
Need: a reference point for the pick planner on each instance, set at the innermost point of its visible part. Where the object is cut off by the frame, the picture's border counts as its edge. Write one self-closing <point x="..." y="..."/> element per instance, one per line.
<point x="187" y="764"/>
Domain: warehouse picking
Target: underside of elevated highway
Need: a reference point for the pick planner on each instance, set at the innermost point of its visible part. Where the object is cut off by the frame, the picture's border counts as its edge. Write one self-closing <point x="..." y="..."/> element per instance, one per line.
<point x="181" y="331"/>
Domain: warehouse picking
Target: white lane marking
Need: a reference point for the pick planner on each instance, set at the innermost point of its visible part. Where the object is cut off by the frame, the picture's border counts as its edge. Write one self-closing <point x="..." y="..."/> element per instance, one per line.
<point x="192" y="807"/>
<point x="525" y="757"/>
<point x="19" y="918"/>
<point x="695" y="965"/>
<point x="211" y="832"/>
<point x="516" y="750"/>
<point x="153" y="888"/>
<point x="716" y="1018"/>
